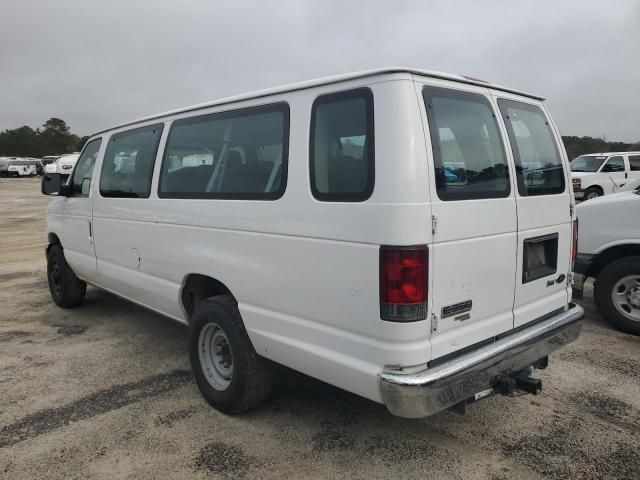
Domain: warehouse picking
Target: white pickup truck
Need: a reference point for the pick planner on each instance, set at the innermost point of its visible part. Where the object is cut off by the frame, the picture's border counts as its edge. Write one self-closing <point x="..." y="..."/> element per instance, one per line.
<point x="609" y="252"/>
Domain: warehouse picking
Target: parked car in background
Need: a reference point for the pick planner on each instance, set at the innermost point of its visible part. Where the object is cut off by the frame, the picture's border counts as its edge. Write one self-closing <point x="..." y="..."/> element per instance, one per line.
<point x="48" y="159"/>
<point x="393" y="232"/>
<point x="17" y="167"/>
<point x="600" y="174"/>
<point x="609" y="252"/>
<point x="63" y="165"/>
<point x="4" y="166"/>
<point x="39" y="170"/>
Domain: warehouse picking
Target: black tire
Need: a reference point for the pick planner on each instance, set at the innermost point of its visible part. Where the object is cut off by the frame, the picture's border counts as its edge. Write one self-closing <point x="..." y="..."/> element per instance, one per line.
<point x="66" y="289"/>
<point x="603" y="290"/>
<point x="250" y="380"/>
<point x="592" y="192"/>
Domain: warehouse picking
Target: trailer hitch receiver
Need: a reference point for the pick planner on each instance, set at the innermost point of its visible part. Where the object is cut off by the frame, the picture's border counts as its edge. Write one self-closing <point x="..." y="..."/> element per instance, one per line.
<point x="521" y="381"/>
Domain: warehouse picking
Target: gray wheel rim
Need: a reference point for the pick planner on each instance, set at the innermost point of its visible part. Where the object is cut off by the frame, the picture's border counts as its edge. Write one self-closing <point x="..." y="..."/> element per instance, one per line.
<point x="216" y="357"/>
<point x="592" y="195"/>
<point x="626" y="297"/>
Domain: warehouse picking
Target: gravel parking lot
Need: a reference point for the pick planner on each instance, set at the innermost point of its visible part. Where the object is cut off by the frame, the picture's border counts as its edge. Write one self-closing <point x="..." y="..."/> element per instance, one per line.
<point x="104" y="391"/>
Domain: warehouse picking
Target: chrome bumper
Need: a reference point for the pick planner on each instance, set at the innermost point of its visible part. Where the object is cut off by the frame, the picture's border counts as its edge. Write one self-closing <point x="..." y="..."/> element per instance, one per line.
<point x="419" y="392"/>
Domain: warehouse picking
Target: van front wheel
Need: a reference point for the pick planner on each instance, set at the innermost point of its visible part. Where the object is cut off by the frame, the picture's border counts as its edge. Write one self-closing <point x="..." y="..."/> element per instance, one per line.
<point x="231" y="376"/>
<point x="591" y="193"/>
<point x="66" y="289"/>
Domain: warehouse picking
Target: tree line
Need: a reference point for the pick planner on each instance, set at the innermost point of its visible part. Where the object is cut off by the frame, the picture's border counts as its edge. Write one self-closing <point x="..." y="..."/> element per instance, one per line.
<point x="576" y="146"/>
<point x="55" y="138"/>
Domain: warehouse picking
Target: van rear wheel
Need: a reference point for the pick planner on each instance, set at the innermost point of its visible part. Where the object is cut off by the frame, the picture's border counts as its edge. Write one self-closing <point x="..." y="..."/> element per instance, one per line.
<point x="617" y="294"/>
<point x="231" y="376"/>
<point x="66" y="289"/>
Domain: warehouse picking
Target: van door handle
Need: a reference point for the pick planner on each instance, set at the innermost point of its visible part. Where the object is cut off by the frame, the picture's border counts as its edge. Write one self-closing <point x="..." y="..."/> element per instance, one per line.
<point x="90" y="232"/>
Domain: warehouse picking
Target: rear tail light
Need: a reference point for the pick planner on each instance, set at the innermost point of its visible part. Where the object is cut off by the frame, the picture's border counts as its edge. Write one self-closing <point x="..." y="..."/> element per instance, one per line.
<point x="574" y="243"/>
<point x="403" y="283"/>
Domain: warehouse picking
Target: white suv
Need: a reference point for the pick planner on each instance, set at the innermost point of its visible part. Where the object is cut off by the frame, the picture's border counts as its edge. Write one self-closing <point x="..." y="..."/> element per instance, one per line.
<point x="402" y="234"/>
<point x="609" y="252"/>
<point x="603" y="173"/>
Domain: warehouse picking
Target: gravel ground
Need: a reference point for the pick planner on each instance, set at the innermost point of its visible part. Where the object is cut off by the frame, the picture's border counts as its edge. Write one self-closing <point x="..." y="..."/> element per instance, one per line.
<point x="104" y="391"/>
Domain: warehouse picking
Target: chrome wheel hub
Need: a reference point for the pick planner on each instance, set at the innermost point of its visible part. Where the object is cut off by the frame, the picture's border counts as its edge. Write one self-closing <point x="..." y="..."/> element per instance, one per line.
<point x="216" y="357"/>
<point x="626" y="297"/>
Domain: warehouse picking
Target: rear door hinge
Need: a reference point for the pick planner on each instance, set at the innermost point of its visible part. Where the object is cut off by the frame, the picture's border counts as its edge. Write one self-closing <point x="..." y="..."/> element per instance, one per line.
<point x="434" y="224"/>
<point x="571" y="210"/>
<point x="434" y="322"/>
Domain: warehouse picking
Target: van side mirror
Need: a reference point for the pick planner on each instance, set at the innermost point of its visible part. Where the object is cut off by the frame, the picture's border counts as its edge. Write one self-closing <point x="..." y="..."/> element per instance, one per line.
<point x="52" y="184"/>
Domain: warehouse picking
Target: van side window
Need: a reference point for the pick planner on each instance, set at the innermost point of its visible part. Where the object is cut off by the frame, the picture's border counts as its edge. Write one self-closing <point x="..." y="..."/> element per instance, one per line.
<point x="341" y="146"/>
<point x="127" y="167"/>
<point x="634" y="162"/>
<point x="468" y="152"/>
<point x="538" y="163"/>
<point x="240" y="154"/>
<point x="81" y="179"/>
<point x="614" y="164"/>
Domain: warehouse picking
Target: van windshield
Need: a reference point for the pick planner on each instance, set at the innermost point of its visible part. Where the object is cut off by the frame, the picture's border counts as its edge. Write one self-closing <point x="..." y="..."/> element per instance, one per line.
<point x="587" y="163"/>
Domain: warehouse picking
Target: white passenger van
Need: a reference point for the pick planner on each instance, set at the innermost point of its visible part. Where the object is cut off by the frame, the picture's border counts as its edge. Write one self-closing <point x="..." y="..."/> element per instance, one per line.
<point x="404" y="235"/>
<point x="600" y="174"/>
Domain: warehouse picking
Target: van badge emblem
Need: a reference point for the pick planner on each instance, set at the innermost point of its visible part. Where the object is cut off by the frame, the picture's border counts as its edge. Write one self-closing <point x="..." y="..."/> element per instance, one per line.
<point x="456" y="309"/>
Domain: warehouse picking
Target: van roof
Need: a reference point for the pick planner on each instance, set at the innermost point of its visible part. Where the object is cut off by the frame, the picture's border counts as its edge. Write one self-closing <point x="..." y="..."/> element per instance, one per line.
<point x="327" y="81"/>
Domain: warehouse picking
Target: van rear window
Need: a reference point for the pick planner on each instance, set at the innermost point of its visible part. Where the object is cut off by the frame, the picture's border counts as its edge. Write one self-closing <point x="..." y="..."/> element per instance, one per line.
<point x="469" y="156"/>
<point x="241" y="154"/>
<point x="539" y="168"/>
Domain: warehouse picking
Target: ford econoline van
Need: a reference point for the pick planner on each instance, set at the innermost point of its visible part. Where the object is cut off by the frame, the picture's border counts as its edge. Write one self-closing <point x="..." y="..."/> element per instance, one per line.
<point x="404" y="235"/>
<point x="599" y="174"/>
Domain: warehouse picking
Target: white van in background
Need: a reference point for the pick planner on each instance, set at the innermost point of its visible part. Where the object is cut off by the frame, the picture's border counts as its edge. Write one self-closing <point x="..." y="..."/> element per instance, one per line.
<point x="63" y="165"/>
<point x="600" y="174"/>
<point x="402" y="234"/>
<point x="609" y="252"/>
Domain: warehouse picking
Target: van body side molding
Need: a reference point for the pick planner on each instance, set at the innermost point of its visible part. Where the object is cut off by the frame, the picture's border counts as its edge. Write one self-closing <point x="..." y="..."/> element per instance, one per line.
<point x="420" y="391"/>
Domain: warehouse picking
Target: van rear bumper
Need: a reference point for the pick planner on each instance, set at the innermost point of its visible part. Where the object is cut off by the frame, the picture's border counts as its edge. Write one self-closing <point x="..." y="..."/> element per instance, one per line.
<point x="420" y="391"/>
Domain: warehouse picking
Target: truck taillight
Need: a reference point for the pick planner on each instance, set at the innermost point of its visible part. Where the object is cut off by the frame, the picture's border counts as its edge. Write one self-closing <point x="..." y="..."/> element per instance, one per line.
<point x="403" y="283"/>
<point x="574" y="243"/>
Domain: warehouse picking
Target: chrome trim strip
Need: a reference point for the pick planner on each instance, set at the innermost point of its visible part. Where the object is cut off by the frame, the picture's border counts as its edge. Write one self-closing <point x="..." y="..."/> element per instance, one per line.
<point x="421" y="391"/>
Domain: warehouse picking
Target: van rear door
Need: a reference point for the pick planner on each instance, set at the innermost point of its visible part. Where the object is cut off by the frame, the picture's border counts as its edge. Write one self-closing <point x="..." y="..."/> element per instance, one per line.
<point x="544" y="214"/>
<point x="474" y="250"/>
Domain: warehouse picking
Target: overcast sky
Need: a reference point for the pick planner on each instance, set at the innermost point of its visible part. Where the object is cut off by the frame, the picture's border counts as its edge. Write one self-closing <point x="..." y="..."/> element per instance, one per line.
<point x="96" y="64"/>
